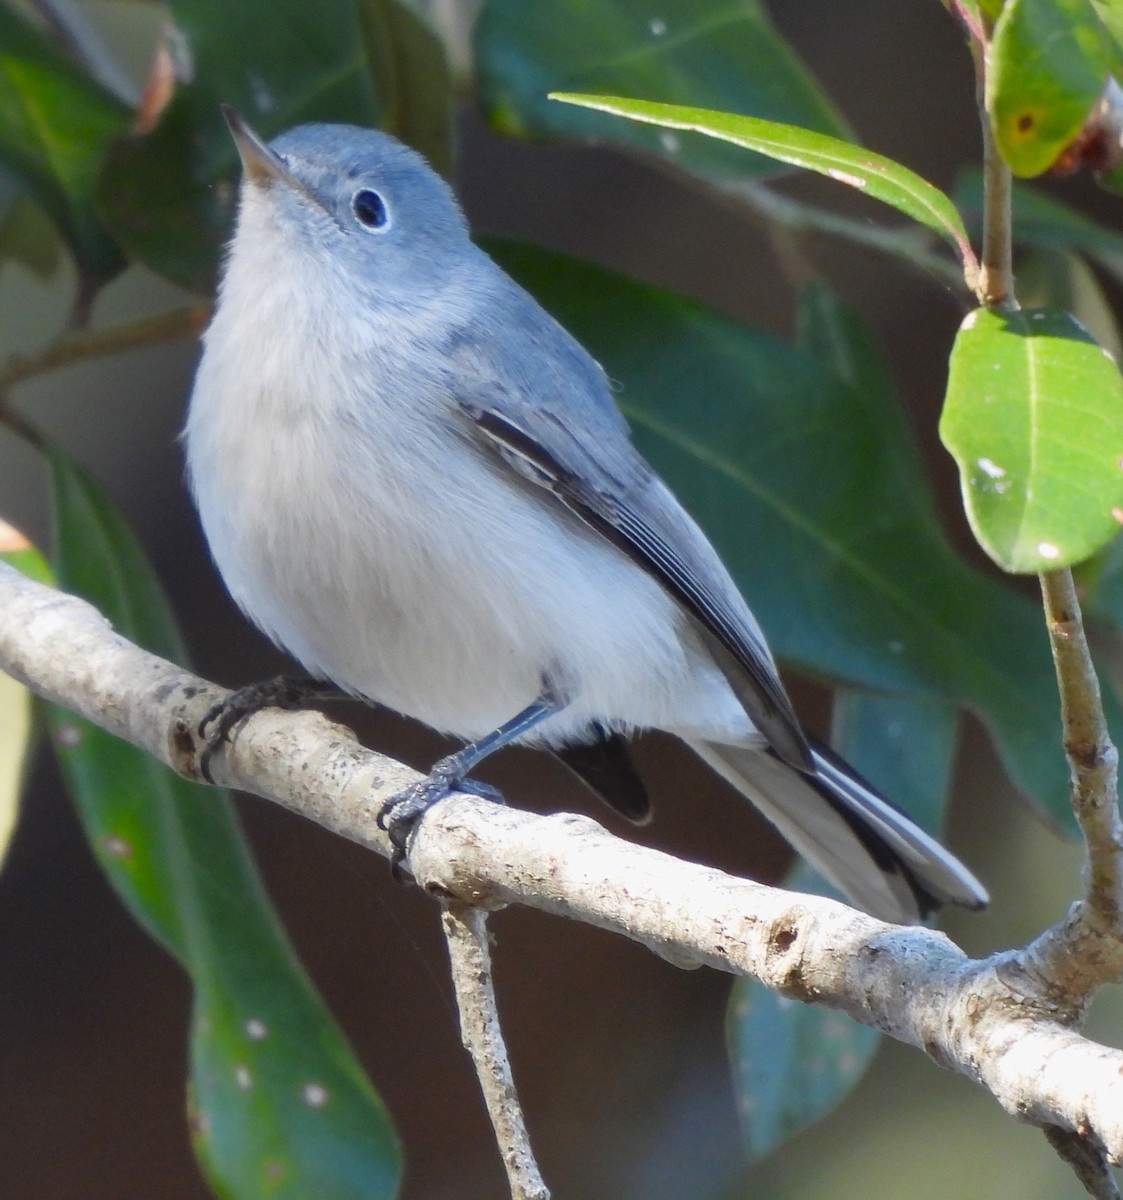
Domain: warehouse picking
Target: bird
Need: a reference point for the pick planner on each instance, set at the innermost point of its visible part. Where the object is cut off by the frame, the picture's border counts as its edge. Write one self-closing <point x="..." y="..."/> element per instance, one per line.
<point x="419" y="485"/>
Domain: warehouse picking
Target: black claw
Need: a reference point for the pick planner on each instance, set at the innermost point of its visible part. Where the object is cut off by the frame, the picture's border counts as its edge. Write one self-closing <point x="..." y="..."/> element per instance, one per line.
<point x="398" y="869"/>
<point x="285" y="691"/>
<point x="400" y="815"/>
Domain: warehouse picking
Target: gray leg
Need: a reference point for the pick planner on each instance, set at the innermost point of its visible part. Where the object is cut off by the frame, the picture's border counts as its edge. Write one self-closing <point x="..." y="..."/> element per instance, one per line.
<point x="400" y="813"/>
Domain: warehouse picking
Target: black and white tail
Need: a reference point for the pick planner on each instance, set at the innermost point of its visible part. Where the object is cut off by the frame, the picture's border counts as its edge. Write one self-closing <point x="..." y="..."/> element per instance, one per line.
<point x="849" y="832"/>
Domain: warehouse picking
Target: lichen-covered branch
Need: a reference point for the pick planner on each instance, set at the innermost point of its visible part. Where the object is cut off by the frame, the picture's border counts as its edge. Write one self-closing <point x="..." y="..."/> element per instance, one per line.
<point x="993" y="1020"/>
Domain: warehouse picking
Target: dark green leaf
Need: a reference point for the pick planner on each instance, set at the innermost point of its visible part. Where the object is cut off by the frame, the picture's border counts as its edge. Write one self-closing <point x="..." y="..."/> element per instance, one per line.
<point x="906" y="748"/>
<point x="28" y="237"/>
<point x="792" y="1062"/>
<point x="1100" y="580"/>
<point x="1039" y="220"/>
<point x="1034" y="418"/>
<point x="721" y="54"/>
<point x="168" y="196"/>
<point x="871" y="173"/>
<point x="412" y="78"/>
<point x="836" y="337"/>
<point x="56" y="125"/>
<point x="1110" y="13"/>
<point x="27" y="234"/>
<point x="280" y="1107"/>
<point x="1060" y="280"/>
<point x="819" y="510"/>
<point x="1049" y="60"/>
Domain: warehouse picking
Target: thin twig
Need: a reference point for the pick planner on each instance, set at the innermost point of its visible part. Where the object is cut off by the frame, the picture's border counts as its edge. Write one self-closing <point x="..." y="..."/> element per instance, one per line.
<point x="906" y="244"/>
<point x="82" y="345"/>
<point x="970" y="21"/>
<point x="465" y="930"/>
<point x="1070" y="961"/>
<point x="996" y="273"/>
<point x="1086" y="950"/>
<point x="10" y="419"/>
<point x="1093" y="759"/>
<point x="1086" y="1159"/>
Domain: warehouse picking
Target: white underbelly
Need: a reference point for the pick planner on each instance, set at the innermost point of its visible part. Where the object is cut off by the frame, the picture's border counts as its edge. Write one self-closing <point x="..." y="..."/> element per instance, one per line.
<point x="451" y="603"/>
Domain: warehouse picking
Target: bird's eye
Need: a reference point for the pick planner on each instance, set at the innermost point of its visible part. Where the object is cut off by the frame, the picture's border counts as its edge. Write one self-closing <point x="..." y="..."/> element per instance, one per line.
<point x="370" y="209"/>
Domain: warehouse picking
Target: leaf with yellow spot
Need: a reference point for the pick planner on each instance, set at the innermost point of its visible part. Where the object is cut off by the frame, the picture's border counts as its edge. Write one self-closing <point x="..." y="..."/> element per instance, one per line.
<point x="1049" y="62"/>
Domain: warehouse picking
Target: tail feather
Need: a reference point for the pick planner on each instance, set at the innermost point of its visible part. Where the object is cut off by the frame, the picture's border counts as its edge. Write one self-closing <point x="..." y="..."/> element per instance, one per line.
<point x="849" y="832"/>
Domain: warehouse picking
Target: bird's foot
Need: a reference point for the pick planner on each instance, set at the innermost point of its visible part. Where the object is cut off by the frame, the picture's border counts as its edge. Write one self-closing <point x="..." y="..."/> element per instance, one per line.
<point x="285" y="691"/>
<point x="401" y="813"/>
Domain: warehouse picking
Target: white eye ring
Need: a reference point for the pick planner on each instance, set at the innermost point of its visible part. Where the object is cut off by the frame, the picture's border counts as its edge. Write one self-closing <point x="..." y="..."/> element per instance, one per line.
<point x="370" y="210"/>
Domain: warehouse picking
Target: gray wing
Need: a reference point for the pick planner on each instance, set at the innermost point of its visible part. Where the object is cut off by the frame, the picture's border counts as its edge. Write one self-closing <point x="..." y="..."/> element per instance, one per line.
<point x="551" y="418"/>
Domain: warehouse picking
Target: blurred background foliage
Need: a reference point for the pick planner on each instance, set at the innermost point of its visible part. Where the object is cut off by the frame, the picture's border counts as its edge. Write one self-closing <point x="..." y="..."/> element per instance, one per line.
<point x="781" y="349"/>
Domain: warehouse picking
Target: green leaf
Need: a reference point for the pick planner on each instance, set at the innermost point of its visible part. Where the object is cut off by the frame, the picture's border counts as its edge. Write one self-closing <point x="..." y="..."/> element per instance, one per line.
<point x="906" y="748"/>
<point x="1110" y="13"/>
<point x="1040" y="220"/>
<point x="873" y="174"/>
<point x="1034" y="418"/>
<point x="56" y="126"/>
<point x="16" y="726"/>
<point x="280" y="1107"/>
<point x="819" y="509"/>
<point x="412" y="78"/>
<point x="1060" y="280"/>
<point x="713" y="53"/>
<point x="27" y="234"/>
<point x="1100" y="581"/>
<point x="18" y="552"/>
<point x="835" y="336"/>
<point x="1049" y="61"/>
<point x="168" y="196"/>
<point x="792" y="1062"/>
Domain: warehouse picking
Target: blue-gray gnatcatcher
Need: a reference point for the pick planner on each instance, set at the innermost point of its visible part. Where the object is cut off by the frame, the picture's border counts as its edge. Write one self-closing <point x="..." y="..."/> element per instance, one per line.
<point x="418" y="484"/>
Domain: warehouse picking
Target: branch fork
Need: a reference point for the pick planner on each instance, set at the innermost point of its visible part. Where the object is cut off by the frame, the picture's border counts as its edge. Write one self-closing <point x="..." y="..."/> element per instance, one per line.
<point x="1009" y="1022"/>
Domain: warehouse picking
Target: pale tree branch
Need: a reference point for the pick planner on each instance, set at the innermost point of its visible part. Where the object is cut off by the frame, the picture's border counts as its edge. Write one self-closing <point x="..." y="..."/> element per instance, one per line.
<point x="1087" y="1161"/>
<point x="994" y="1020"/>
<point x="469" y="955"/>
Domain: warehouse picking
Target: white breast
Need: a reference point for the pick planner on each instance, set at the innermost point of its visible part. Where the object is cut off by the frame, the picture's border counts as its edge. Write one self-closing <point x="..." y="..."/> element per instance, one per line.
<point x="397" y="558"/>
